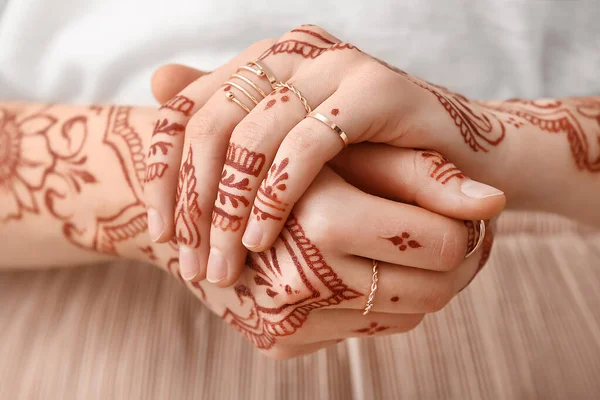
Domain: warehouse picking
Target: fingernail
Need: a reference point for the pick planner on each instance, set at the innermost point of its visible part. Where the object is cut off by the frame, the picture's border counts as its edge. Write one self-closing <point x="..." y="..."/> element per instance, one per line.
<point x="156" y="224"/>
<point x="478" y="190"/>
<point x="188" y="263"/>
<point x="217" y="266"/>
<point x="253" y="235"/>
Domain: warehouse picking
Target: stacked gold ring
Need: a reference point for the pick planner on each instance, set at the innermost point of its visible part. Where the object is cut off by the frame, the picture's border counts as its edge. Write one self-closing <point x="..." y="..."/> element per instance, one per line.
<point x="374" y="281"/>
<point x="261" y="71"/>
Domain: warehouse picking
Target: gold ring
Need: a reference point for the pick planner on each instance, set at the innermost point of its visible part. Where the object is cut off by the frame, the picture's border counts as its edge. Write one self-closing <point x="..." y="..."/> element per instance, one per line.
<point x="250" y="83"/>
<point x="481" y="236"/>
<point x="263" y="70"/>
<point x="296" y="92"/>
<point x="331" y="124"/>
<point x="232" y="97"/>
<point x="374" y="280"/>
<point x="241" y="89"/>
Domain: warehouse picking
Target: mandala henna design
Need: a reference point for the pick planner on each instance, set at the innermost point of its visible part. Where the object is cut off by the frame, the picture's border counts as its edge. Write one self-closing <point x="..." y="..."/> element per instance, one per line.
<point x="187" y="210"/>
<point x="268" y="203"/>
<point x="313" y="284"/>
<point x="372" y="329"/>
<point x="20" y="175"/>
<point x="403" y="242"/>
<point x="241" y="165"/>
<point x="441" y="169"/>
<point x="180" y="104"/>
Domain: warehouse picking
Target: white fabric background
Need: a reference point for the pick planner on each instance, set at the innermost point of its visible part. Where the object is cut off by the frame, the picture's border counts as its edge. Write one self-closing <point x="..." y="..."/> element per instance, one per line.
<point x="98" y="51"/>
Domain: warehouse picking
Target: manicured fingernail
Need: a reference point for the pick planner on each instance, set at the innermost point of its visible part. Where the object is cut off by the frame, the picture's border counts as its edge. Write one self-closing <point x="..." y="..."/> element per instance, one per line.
<point x="217" y="266"/>
<point x="156" y="224"/>
<point x="478" y="190"/>
<point x="253" y="235"/>
<point x="188" y="263"/>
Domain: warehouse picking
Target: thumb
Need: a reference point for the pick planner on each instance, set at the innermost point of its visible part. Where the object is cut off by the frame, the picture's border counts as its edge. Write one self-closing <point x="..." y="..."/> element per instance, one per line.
<point x="170" y="79"/>
<point x="419" y="177"/>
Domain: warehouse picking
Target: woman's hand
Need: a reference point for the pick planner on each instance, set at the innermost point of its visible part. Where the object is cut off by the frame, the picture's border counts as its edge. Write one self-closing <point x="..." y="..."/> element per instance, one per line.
<point x="309" y="290"/>
<point x="224" y="196"/>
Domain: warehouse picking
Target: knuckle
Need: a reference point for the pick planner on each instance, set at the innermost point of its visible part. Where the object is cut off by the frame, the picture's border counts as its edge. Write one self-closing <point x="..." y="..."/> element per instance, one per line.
<point x="437" y="296"/>
<point x="249" y="133"/>
<point x="301" y="141"/>
<point x="202" y="126"/>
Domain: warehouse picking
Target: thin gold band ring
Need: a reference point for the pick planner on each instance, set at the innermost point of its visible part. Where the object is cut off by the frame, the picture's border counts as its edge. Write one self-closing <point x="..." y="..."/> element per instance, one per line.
<point x="481" y="236"/>
<point x="331" y="124"/>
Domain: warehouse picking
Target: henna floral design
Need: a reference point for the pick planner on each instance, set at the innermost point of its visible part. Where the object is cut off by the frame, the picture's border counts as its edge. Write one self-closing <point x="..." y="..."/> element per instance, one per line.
<point x="441" y="169"/>
<point x="312" y="285"/>
<point x="267" y="197"/>
<point x="372" y="329"/>
<point x="403" y="242"/>
<point x="240" y="165"/>
<point x="187" y="211"/>
<point x="25" y="162"/>
<point x="163" y="129"/>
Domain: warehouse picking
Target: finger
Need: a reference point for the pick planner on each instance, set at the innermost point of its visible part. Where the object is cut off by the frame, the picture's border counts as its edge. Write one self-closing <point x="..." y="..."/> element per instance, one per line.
<point x="331" y="325"/>
<point x="422" y="177"/>
<point x="257" y="137"/>
<point x="254" y="141"/>
<point x="170" y="79"/>
<point x="164" y="157"/>
<point x="303" y="151"/>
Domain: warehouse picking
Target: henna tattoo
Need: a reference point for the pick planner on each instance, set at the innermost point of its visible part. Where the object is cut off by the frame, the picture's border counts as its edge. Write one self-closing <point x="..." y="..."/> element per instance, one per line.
<point x="187" y="210"/>
<point x="180" y="104"/>
<point x="372" y="329"/>
<point x="225" y="221"/>
<point x="312" y="285"/>
<point x="240" y="164"/>
<point x="441" y="169"/>
<point x="403" y="242"/>
<point x="479" y="129"/>
<point x="154" y="171"/>
<point x="553" y="116"/>
<point x="267" y="197"/>
<point x="304" y="49"/>
<point x="335" y="112"/>
<point x="284" y="98"/>
<point x="168" y="128"/>
<point x="315" y="34"/>
<point x="395" y="299"/>
<point x="20" y="175"/>
<point x="59" y="177"/>
<point x="148" y="251"/>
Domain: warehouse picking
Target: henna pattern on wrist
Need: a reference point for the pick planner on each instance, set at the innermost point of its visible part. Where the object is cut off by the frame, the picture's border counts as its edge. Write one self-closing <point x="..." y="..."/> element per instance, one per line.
<point x="372" y="329"/>
<point x="241" y="165"/>
<point x="441" y="169"/>
<point x="46" y="160"/>
<point x="187" y="210"/>
<point x="268" y="204"/>
<point x="563" y="116"/>
<point x="312" y="285"/>
<point x="403" y="242"/>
